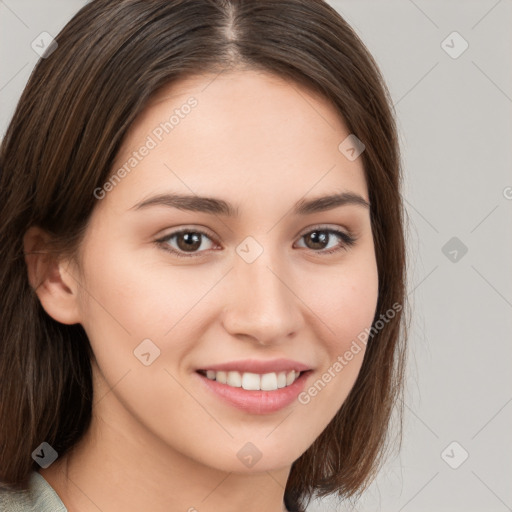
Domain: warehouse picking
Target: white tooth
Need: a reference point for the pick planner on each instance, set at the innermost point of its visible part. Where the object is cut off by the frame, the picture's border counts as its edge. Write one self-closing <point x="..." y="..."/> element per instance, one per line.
<point x="269" y="382"/>
<point x="290" y="377"/>
<point x="234" y="379"/>
<point x="251" y="381"/>
<point x="281" y="380"/>
<point x="254" y="381"/>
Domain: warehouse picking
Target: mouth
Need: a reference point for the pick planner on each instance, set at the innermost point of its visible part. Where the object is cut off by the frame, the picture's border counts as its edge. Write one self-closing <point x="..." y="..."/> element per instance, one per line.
<point x="249" y="381"/>
<point x="254" y="393"/>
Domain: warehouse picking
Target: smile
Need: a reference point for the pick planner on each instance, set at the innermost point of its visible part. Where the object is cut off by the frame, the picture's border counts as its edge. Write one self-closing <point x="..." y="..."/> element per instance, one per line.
<point x="253" y="381"/>
<point x="254" y="393"/>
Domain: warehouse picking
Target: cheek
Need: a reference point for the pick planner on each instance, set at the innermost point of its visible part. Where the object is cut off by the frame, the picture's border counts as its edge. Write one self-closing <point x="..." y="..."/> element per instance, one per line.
<point x="352" y="308"/>
<point x="346" y="305"/>
<point x="129" y="299"/>
<point x="130" y="292"/>
<point x="345" y="299"/>
<point x="119" y="306"/>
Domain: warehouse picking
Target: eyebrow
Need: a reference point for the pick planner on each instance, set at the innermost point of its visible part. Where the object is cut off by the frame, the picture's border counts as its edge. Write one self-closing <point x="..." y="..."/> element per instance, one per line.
<point x="217" y="206"/>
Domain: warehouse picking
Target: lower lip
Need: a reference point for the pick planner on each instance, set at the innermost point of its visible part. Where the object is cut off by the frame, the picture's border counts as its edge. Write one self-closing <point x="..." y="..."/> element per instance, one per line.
<point x="257" y="402"/>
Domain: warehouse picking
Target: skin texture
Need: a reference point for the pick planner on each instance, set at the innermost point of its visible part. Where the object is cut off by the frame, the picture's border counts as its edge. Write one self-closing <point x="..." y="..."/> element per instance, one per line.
<point x="159" y="440"/>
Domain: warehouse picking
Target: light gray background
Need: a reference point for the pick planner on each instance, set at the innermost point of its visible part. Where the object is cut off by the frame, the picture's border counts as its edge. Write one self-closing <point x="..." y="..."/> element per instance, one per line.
<point x="455" y="125"/>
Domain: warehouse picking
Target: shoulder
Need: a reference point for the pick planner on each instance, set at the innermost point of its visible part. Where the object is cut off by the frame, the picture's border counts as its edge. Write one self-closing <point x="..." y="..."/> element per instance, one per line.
<point x="39" y="497"/>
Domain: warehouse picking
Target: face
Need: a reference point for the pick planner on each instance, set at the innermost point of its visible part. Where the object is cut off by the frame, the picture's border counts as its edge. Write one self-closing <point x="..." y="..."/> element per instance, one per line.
<point x="247" y="281"/>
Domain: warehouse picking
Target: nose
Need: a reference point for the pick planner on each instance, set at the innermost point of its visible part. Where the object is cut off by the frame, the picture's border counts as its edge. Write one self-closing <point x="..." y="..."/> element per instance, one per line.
<point x="262" y="301"/>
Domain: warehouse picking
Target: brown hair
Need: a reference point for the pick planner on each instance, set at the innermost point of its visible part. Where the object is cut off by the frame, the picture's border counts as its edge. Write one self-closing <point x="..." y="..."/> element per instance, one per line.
<point x="61" y="144"/>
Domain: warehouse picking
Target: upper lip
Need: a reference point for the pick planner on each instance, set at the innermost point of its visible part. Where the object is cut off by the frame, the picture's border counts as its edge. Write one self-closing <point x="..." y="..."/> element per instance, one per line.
<point x="259" y="366"/>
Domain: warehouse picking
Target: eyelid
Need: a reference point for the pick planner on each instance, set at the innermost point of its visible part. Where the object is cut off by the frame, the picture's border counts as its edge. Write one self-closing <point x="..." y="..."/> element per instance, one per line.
<point x="210" y="234"/>
<point x="348" y="237"/>
<point x="186" y="229"/>
<point x="326" y="227"/>
<point x="162" y="241"/>
<point x="349" y="240"/>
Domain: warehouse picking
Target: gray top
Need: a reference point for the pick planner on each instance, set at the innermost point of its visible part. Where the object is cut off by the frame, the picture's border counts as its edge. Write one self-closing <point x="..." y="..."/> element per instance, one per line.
<point x="40" y="497"/>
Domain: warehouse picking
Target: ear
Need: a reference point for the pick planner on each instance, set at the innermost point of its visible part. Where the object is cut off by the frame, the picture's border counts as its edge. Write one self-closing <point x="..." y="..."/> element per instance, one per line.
<point x="49" y="277"/>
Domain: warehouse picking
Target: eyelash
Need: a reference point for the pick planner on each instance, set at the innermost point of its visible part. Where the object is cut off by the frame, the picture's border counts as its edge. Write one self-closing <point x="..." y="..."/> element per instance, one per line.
<point x="348" y="241"/>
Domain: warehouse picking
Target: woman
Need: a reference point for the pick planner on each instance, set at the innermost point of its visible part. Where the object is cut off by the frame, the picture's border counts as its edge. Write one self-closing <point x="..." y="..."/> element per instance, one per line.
<point x="204" y="264"/>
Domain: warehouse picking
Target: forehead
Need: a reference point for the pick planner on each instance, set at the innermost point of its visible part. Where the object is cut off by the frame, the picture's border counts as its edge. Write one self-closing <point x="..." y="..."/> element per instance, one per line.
<point x="250" y="134"/>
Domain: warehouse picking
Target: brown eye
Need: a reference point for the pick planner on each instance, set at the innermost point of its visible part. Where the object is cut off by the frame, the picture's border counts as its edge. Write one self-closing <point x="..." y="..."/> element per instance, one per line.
<point x="187" y="241"/>
<point x="320" y="238"/>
